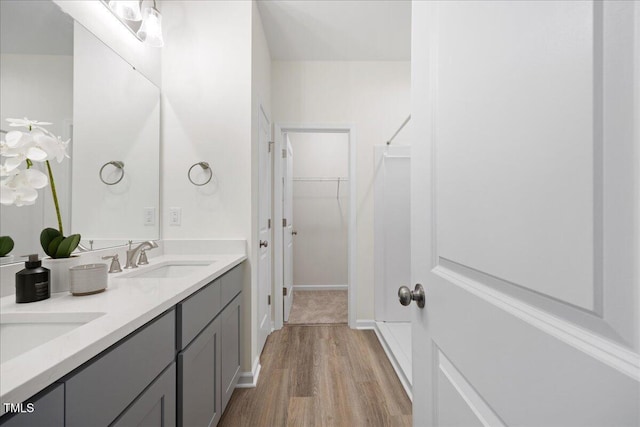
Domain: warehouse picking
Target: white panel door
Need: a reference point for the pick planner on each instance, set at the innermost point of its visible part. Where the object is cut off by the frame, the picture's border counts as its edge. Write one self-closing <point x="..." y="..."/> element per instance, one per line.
<point x="287" y="230"/>
<point x="524" y="213"/>
<point x="264" y="233"/>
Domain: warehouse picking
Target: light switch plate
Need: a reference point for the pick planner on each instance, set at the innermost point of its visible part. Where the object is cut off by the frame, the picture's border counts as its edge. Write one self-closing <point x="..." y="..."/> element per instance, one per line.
<point x="175" y="216"/>
<point x="149" y="215"/>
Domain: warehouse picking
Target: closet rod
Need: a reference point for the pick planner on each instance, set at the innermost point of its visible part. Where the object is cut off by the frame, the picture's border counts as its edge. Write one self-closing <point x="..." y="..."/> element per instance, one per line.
<point x="322" y="179"/>
<point x="399" y="129"/>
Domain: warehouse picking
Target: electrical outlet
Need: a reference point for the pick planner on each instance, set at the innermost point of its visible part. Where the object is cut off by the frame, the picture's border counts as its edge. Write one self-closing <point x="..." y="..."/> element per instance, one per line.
<point x="149" y="215"/>
<point x="175" y="216"/>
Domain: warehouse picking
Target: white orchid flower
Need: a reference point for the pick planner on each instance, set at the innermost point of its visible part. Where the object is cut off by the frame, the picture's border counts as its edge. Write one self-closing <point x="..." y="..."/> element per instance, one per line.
<point x="14" y="143"/>
<point x="5" y="171"/>
<point x="36" y="146"/>
<point x="19" y="188"/>
<point x="26" y="123"/>
<point x="55" y="148"/>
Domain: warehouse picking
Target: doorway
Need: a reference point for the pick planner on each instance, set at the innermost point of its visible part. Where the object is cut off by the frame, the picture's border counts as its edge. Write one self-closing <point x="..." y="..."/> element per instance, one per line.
<point x="314" y="241"/>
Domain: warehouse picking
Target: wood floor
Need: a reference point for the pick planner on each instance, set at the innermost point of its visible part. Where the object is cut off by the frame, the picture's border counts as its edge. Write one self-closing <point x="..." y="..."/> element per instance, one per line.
<point x="321" y="376"/>
<point x="318" y="307"/>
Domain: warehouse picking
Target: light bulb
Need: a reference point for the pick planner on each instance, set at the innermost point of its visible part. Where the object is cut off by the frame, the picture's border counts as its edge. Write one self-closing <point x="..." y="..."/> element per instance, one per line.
<point x="150" y="31"/>
<point x="129" y="10"/>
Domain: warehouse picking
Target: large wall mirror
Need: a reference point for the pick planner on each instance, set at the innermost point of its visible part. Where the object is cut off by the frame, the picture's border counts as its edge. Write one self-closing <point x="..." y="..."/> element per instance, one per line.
<point x="54" y="70"/>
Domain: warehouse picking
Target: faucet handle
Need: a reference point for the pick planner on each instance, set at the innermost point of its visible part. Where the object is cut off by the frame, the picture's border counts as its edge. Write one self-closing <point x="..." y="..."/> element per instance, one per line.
<point x="142" y="260"/>
<point x="115" y="263"/>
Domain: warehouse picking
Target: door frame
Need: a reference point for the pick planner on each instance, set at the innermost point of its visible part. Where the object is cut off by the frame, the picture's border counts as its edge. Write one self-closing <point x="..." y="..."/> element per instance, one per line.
<point x="278" y="258"/>
<point x="256" y="244"/>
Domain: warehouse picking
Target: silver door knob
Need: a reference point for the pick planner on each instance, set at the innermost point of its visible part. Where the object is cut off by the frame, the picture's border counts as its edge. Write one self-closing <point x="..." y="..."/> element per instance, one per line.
<point x="406" y="295"/>
<point x="264" y="243"/>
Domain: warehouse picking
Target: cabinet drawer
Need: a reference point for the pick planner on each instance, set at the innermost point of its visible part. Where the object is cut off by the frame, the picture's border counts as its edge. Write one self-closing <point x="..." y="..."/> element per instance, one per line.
<point x="105" y="386"/>
<point x="232" y="284"/>
<point x="195" y="312"/>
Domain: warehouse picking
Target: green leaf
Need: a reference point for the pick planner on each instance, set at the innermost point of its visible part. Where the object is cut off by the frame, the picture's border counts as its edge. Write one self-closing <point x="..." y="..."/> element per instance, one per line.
<point x="68" y="245"/>
<point x="6" y="245"/>
<point x="46" y="237"/>
<point x="53" y="246"/>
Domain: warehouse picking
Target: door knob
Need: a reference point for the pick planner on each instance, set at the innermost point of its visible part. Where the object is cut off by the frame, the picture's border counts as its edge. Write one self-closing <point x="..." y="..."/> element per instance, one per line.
<point x="264" y="243"/>
<point x="294" y="233"/>
<point x="406" y="295"/>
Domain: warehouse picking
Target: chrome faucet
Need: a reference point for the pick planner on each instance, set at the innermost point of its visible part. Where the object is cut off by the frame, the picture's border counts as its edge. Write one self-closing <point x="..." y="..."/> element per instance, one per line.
<point x="132" y="253"/>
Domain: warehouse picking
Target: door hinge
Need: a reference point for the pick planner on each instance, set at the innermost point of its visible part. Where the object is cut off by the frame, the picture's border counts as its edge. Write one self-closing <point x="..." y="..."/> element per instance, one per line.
<point x="268" y="299"/>
<point x="284" y="291"/>
<point x="269" y="223"/>
<point x="270" y="145"/>
<point x="284" y="222"/>
<point x="284" y="153"/>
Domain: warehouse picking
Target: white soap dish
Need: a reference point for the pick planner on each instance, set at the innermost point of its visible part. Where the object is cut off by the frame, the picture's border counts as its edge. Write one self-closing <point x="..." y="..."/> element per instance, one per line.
<point x="87" y="279"/>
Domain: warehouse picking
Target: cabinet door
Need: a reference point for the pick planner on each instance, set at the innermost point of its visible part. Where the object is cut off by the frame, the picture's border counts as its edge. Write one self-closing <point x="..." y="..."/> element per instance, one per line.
<point x="230" y="348"/>
<point x="199" y="400"/>
<point x="156" y="406"/>
<point x="48" y="410"/>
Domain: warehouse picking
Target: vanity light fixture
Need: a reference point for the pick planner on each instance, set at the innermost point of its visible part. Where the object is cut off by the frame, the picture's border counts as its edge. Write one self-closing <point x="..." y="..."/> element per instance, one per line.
<point x="129" y="10"/>
<point x="150" y="31"/>
<point x="146" y="26"/>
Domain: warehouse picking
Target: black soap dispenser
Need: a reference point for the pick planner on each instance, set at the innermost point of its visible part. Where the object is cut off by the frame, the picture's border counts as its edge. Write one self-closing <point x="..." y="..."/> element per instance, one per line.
<point x="32" y="283"/>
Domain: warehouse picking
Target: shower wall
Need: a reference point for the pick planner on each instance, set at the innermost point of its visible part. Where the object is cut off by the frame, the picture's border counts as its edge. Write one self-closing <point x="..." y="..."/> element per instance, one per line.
<point x="392" y="232"/>
<point x="320" y="209"/>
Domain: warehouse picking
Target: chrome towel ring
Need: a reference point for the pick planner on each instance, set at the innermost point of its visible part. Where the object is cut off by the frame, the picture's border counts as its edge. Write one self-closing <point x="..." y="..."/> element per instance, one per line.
<point x="205" y="166"/>
<point x="118" y="164"/>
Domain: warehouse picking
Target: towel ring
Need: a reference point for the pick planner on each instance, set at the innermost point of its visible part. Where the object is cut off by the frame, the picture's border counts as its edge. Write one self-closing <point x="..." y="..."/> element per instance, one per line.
<point x="205" y="166"/>
<point x="118" y="164"/>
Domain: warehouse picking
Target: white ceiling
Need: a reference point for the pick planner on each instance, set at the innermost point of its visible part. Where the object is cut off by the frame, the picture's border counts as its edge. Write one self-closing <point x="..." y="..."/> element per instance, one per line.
<point x="337" y="30"/>
<point x="35" y="27"/>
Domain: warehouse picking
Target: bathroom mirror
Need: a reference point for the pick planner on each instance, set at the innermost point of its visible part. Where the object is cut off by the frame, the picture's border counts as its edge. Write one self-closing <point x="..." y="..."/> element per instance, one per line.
<point x="52" y="69"/>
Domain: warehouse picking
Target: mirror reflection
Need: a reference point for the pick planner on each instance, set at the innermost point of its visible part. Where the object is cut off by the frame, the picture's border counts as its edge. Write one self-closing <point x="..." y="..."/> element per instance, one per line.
<point x="54" y="70"/>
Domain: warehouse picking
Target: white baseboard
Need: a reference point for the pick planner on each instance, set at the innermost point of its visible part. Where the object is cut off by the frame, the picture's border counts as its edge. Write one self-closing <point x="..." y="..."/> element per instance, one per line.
<point x="250" y="379"/>
<point x="320" y="287"/>
<point x="365" y="324"/>
<point x="406" y="384"/>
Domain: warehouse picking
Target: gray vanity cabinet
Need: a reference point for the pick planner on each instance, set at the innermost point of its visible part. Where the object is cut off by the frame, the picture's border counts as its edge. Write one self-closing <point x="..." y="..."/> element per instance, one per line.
<point x="48" y="410"/>
<point x="139" y="381"/>
<point x="209" y="343"/>
<point x="156" y="406"/>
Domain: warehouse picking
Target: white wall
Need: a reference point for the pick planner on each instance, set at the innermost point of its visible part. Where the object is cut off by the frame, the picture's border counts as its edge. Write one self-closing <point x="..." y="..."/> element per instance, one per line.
<point x="39" y="87"/>
<point x="213" y="71"/>
<point x="320" y="217"/>
<point x="100" y="21"/>
<point x="374" y="97"/>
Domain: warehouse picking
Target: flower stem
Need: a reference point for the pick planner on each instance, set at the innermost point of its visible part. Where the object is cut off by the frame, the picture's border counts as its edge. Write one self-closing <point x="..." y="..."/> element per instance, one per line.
<point x="55" y="196"/>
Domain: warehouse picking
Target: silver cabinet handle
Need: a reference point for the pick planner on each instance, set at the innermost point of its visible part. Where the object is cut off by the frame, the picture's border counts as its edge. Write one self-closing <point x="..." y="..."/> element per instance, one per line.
<point x="406" y="295"/>
<point x="264" y="243"/>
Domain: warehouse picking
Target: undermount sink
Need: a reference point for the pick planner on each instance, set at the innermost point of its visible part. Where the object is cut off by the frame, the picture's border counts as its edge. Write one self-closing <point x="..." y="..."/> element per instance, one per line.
<point x="21" y="332"/>
<point x="168" y="270"/>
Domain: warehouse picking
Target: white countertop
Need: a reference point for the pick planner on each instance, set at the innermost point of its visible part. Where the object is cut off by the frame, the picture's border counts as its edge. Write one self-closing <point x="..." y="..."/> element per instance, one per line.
<point x="128" y="304"/>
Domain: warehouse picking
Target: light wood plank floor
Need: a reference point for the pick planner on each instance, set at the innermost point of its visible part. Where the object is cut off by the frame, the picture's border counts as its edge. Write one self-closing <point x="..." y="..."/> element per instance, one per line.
<point x="321" y="376"/>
